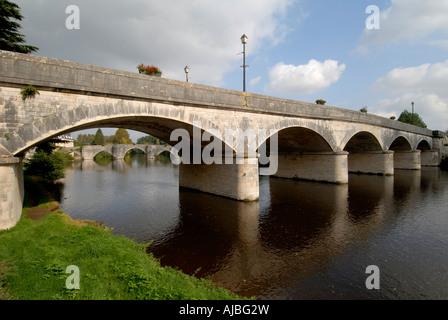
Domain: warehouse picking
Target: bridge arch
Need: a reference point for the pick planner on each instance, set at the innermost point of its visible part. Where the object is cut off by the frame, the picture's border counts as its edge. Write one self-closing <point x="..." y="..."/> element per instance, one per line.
<point x="363" y="141"/>
<point x="126" y="148"/>
<point x="158" y="153"/>
<point x="90" y="152"/>
<point x="77" y="153"/>
<point x="366" y="155"/>
<point x="424" y="145"/>
<point x="134" y="147"/>
<point x="400" y="143"/>
<point x="405" y="155"/>
<point x="101" y="151"/>
<point x="155" y="121"/>
<point x="300" y="136"/>
<point x="306" y="151"/>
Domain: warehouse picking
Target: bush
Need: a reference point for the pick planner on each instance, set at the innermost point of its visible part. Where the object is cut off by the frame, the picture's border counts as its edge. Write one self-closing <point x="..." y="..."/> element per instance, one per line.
<point x="47" y="166"/>
<point x="29" y="92"/>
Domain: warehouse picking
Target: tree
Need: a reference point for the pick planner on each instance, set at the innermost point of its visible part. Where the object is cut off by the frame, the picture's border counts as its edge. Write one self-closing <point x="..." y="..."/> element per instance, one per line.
<point x="364" y="109"/>
<point x="47" y="163"/>
<point x="99" y="138"/>
<point x="85" y="139"/>
<point x="49" y="167"/>
<point x="10" y="38"/>
<point x="408" y="117"/>
<point x="150" y="140"/>
<point x="122" y="137"/>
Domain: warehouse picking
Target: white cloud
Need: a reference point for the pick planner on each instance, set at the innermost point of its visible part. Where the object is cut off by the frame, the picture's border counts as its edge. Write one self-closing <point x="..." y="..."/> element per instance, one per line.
<point x="424" y="78"/>
<point x="303" y="79"/>
<point x="254" y="81"/>
<point x="203" y="34"/>
<point x="425" y="85"/>
<point x="432" y="108"/>
<point x="411" y="21"/>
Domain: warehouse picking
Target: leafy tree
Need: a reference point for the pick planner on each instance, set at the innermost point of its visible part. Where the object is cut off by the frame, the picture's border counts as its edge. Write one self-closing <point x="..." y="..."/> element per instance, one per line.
<point x="10" y="38"/>
<point x="122" y="137"/>
<point x="99" y="138"/>
<point x="85" y="139"/>
<point x="47" y="163"/>
<point x="414" y="119"/>
<point x="109" y="139"/>
<point x="146" y="140"/>
<point x="49" y="167"/>
<point x="150" y="140"/>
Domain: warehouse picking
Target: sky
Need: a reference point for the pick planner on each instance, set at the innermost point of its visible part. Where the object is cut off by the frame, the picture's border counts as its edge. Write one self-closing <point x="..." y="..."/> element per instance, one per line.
<point x="379" y="54"/>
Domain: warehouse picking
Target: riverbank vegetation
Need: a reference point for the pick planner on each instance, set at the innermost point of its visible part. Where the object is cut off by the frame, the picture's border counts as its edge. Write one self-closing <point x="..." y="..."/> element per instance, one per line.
<point x="121" y="136"/>
<point x="35" y="254"/>
<point x="47" y="163"/>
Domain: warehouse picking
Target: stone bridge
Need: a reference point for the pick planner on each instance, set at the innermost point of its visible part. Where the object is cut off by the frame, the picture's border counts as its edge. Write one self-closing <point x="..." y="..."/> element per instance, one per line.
<point x="315" y="142"/>
<point x="118" y="151"/>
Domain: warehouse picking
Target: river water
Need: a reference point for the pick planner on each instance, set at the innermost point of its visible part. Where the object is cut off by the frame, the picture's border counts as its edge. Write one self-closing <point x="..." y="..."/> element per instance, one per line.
<point x="301" y="240"/>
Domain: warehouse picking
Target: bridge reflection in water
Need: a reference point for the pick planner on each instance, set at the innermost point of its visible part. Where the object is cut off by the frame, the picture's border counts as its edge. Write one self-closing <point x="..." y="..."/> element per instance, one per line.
<point x="301" y="240"/>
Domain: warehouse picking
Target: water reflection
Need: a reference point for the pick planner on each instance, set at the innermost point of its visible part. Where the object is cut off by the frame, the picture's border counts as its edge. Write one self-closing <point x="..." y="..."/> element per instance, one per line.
<point x="208" y="231"/>
<point x="301" y="240"/>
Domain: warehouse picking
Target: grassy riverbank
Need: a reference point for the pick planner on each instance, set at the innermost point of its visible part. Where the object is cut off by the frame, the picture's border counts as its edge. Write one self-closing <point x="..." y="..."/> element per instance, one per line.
<point x="35" y="253"/>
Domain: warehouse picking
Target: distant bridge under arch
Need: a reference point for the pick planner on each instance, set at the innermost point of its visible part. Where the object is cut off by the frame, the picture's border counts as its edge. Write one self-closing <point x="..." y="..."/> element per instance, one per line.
<point x="119" y="151"/>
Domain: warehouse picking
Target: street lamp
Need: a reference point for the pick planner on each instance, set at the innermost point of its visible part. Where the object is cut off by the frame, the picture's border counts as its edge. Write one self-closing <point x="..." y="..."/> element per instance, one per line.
<point x="244" y="41"/>
<point x="186" y="69"/>
<point x="412" y="120"/>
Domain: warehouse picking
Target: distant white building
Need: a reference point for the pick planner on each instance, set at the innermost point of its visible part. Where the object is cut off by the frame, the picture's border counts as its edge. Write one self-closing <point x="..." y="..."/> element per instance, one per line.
<point x="67" y="141"/>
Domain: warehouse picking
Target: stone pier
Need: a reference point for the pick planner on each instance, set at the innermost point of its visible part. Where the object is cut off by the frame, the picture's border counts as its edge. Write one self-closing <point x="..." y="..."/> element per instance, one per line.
<point x="372" y="162"/>
<point x="320" y="166"/>
<point x="430" y="158"/>
<point x="236" y="181"/>
<point x="409" y="160"/>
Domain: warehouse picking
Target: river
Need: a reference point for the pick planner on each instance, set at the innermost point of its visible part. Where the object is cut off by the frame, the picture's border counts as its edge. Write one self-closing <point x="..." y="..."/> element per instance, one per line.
<point x="301" y="240"/>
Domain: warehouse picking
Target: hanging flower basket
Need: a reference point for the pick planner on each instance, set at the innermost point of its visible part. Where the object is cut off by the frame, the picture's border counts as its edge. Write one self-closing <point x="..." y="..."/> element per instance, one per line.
<point x="149" y="70"/>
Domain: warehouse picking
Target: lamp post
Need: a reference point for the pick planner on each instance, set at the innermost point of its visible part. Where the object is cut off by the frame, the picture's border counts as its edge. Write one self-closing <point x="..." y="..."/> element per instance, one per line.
<point x="412" y="119"/>
<point x="244" y="41"/>
<point x="186" y="69"/>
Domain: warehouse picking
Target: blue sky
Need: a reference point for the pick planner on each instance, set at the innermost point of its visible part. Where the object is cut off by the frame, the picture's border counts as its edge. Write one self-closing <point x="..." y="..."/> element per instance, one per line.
<point x="297" y="49"/>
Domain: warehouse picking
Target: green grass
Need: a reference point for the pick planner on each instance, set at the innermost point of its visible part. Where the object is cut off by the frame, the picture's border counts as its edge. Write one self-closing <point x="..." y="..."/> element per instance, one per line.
<point x="34" y="256"/>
